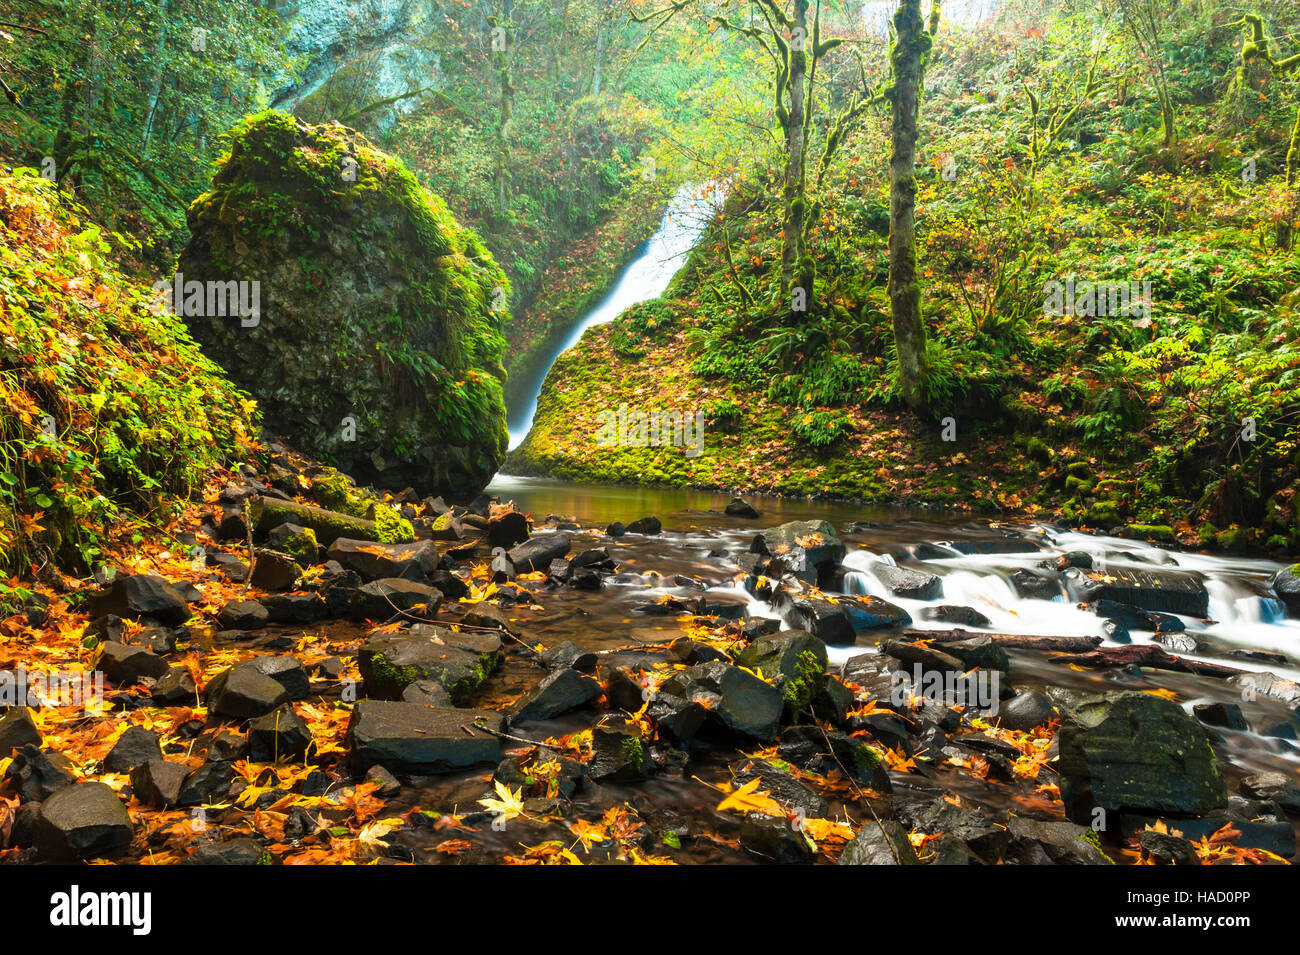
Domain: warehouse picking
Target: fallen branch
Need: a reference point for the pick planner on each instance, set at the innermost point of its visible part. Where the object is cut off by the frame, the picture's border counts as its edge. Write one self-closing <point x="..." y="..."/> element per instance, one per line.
<point x="1016" y="641"/>
<point x="1147" y="655"/>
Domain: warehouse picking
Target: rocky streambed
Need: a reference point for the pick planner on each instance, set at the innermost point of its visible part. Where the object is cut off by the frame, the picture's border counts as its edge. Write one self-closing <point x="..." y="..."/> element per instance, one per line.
<point x="399" y="680"/>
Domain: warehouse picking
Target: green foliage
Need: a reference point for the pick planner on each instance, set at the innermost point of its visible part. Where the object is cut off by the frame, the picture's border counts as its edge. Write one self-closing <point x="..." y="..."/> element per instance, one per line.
<point x="111" y="412"/>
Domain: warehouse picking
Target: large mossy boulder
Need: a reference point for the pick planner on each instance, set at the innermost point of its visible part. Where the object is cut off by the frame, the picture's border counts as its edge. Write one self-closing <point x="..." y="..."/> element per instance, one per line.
<point x="377" y="342"/>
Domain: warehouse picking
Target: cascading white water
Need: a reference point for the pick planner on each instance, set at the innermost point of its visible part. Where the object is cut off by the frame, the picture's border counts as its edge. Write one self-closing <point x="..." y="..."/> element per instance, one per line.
<point x="645" y="278"/>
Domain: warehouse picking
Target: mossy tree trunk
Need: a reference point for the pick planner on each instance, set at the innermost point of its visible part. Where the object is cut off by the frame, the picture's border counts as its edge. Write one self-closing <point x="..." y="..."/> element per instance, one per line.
<point x="795" y="187"/>
<point x="911" y="46"/>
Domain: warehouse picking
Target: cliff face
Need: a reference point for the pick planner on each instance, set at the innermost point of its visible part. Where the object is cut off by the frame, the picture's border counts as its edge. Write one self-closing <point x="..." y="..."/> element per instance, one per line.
<point x="355" y="52"/>
<point x="374" y="337"/>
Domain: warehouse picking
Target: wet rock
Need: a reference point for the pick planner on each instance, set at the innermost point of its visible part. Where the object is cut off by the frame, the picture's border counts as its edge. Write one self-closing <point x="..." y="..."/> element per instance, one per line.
<point x="406" y="738"/>
<point x="781" y="786"/>
<point x="36" y="774"/>
<point x="739" y="507"/>
<point x="1178" y="642"/>
<point x="243" y="615"/>
<point x="560" y="570"/>
<point x="887" y="729"/>
<point x="125" y="665"/>
<point x="1027" y="710"/>
<point x="1164" y="591"/>
<point x="979" y="652"/>
<point x="872" y="613"/>
<point x="388" y="784"/>
<point x="650" y="526"/>
<point x="951" y="850"/>
<point x="82" y="821"/>
<point x="558" y="692"/>
<point x="623" y="691"/>
<point x="373" y="561"/>
<point x="616" y="529"/>
<point x="538" y="551"/>
<point x="134" y="747"/>
<point x="1286" y="585"/>
<point x="507" y="529"/>
<point x="817" y="539"/>
<point x="1275" y="837"/>
<point x="909" y="583"/>
<point x="736" y="699"/>
<point x="1263" y="683"/>
<point x="956" y="615"/>
<point x="383" y="598"/>
<point x="597" y="558"/>
<point x="390" y="663"/>
<point x="775" y="840"/>
<point x="1133" y="619"/>
<point x="1225" y="715"/>
<point x="1273" y="787"/>
<point x="273" y="570"/>
<point x="987" y="838"/>
<point x="829" y="622"/>
<point x="874" y="674"/>
<point x="18" y="729"/>
<point x="1036" y="842"/>
<point x="1136" y="751"/>
<point x="141" y="595"/>
<point x="1031" y="586"/>
<point x="279" y="735"/>
<point x="691" y="652"/>
<point x="244" y="692"/>
<point x="1166" y="849"/>
<point x="619" y="754"/>
<point x="721" y="606"/>
<point x="676" y="718"/>
<point x="426" y="693"/>
<point x="158" y="782"/>
<point x="791" y="653"/>
<point x="568" y="655"/>
<point x="209" y="783"/>
<point x="295" y="608"/>
<point x="243" y="850"/>
<point x="879" y="843"/>
<point x="226" y="746"/>
<point x="998" y="545"/>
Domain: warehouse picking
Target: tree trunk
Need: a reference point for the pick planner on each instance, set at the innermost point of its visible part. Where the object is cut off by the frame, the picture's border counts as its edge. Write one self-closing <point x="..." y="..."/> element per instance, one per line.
<point x="506" y="104"/>
<point x="793" y="193"/>
<point x="600" y="48"/>
<point x="155" y="87"/>
<point x="910" y="47"/>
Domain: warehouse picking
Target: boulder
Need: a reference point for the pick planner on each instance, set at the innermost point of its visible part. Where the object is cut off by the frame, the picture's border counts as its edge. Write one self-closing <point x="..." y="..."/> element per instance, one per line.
<point x="739" y="507"/>
<point x="558" y="692"/>
<point x="242" y="850"/>
<point x="415" y="560"/>
<point x="1139" y="752"/>
<point x="1286" y="585"/>
<point x="1164" y="591"/>
<point x="82" y="821"/>
<point x="243" y="615"/>
<point x="158" y="783"/>
<point x="134" y="747"/>
<point x="18" y="729"/>
<point x="538" y="551"/>
<point x="412" y="294"/>
<point x="817" y="539"/>
<point x="908" y="583"/>
<point x="737" y="700"/>
<point x="383" y="598"/>
<point x="879" y="843"/>
<point x="956" y="615"/>
<point x="141" y="595"/>
<point x="406" y="738"/>
<point x="650" y="526"/>
<point x="507" y="529"/>
<point x="126" y="665"/>
<point x="279" y="735"/>
<point x="244" y="692"/>
<point x="389" y="663"/>
<point x="37" y="774"/>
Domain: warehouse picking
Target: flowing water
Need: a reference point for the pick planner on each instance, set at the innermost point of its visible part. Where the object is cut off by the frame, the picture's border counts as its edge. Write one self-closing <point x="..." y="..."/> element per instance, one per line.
<point x="645" y="278"/>
<point x="699" y="546"/>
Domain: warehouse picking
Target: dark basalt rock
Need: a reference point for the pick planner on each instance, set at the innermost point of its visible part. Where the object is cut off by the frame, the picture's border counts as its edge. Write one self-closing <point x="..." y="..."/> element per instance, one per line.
<point x="958" y="616"/>
<point x="650" y="526"/>
<point x="243" y="615"/>
<point x="141" y="595"/>
<point x="18" y="729"/>
<point x="406" y="738"/>
<point x="134" y="747"/>
<point x="879" y="843"/>
<point x="739" y="507"/>
<point x="82" y="821"/>
<point x="36" y="774"/>
<point x="124" y="665"/>
<point x="158" y="783"/>
<point x="372" y="561"/>
<point x="243" y="850"/>
<point x="459" y="663"/>
<point x="817" y="539"/>
<point x="537" y="552"/>
<point x="1135" y="751"/>
<point x="907" y="582"/>
<point x="738" y="700"/>
<point x="279" y="735"/>
<point x="558" y="692"/>
<point x="1164" y="591"/>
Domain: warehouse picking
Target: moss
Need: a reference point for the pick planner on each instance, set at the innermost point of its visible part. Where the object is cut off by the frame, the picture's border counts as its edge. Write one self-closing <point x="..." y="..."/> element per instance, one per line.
<point x="805" y="682"/>
<point x="390" y="679"/>
<point x="302" y="547"/>
<point x="634" y="752"/>
<point x="1091" y="837"/>
<point x="1158" y="532"/>
<point x="391" y="526"/>
<point x="866" y="760"/>
<point x="1234" y="539"/>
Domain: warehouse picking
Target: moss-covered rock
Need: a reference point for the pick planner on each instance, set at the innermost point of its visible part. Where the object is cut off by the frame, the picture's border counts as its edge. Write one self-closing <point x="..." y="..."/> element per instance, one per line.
<point x="377" y="345"/>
